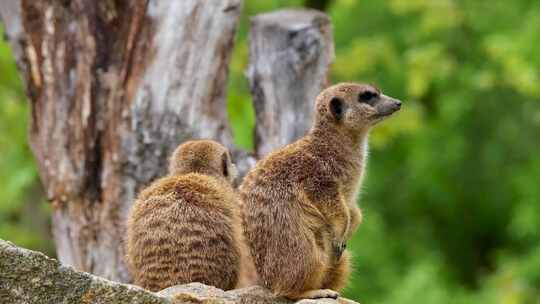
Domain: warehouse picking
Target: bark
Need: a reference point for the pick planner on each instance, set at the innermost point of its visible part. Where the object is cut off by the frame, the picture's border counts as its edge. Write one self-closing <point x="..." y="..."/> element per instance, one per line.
<point x="290" y="54"/>
<point x="114" y="87"/>
<point x="30" y="277"/>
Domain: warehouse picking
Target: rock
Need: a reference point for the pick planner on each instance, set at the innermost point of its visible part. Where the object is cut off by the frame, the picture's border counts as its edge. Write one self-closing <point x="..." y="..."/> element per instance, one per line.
<point x="200" y="293"/>
<point x="31" y="277"/>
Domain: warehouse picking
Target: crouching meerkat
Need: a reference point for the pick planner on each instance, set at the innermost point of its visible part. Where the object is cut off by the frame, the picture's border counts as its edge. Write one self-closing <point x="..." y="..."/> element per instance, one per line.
<point x="300" y="201"/>
<point x="186" y="227"/>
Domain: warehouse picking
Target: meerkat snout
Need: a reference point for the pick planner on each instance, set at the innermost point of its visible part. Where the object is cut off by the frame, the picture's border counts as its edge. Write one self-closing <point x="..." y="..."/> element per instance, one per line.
<point x="386" y="106"/>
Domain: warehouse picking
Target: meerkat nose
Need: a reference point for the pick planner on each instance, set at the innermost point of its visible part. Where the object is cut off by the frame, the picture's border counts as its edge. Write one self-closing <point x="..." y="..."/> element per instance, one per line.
<point x="396" y="103"/>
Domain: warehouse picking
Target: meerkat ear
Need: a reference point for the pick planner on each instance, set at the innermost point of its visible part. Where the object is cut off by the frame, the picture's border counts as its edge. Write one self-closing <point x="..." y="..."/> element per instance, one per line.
<point x="229" y="169"/>
<point x="337" y="108"/>
<point x="225" y="164"/>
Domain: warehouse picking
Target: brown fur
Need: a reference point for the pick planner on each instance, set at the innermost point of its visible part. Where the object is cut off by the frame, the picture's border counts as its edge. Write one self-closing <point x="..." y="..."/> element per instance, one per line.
<point x="300" y="201"/>
<point x="185" y="227"/>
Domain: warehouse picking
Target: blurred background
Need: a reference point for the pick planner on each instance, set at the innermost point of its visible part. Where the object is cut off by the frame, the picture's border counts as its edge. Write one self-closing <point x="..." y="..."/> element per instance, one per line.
<point x="452" y="195"/>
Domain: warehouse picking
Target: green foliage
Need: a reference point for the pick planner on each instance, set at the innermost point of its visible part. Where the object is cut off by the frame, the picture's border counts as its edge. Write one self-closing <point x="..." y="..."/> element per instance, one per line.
<point x="452" y="194"/>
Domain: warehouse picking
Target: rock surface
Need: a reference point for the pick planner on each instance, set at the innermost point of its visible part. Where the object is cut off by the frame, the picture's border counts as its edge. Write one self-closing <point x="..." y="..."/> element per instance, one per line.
<point x="31" y="277"/>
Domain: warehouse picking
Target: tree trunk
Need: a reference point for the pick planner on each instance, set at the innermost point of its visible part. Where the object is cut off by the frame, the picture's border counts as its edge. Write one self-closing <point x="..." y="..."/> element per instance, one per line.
<point x="290" y="54"/>
<point x="115" y="86"/>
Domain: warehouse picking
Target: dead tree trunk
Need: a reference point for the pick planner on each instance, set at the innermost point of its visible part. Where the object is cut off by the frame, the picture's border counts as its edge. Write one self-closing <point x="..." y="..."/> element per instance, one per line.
<point x="116" y="85"/>
<point x="290" y="54"/>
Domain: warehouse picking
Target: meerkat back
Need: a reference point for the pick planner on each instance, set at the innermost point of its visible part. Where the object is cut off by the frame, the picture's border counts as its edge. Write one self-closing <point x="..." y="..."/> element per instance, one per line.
<point x="185" y="227"/>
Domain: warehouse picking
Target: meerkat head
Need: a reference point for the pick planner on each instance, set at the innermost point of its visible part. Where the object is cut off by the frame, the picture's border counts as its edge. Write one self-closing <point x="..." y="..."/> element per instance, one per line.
<point x="202" y="156"/>
<point x="355" y="106"/>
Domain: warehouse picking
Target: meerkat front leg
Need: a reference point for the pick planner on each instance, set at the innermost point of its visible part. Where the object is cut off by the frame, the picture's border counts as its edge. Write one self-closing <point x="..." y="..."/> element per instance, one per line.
<point x="338" y="216"/>
<point x="334" y="214"/>
<point x="326" y="197"/>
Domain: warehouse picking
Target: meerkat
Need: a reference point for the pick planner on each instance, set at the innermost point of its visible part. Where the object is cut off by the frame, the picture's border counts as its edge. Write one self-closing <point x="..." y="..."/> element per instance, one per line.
<point x="186" y="227"/>
<point x="300" y="201"/>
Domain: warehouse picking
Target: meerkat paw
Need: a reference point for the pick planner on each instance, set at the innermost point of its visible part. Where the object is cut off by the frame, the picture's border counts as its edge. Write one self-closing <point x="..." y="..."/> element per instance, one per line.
<point x="317" y="294"/>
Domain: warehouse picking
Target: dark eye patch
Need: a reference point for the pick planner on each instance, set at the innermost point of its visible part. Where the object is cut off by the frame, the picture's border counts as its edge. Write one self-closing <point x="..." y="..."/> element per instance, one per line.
<point x="367" y="97"/>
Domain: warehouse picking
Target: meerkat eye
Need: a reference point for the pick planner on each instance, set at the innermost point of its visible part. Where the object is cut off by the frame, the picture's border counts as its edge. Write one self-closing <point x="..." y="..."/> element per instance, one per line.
<point x="367" y="97"/>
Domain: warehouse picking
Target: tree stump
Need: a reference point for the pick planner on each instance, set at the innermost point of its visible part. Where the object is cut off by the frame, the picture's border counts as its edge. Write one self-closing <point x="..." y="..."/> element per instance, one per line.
<point x="289" y="59"/>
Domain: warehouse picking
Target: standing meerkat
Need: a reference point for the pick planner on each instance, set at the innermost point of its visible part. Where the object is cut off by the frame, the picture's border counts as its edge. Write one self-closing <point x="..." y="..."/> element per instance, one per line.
<point x="186" y="227"/>
<point x="300" y="201"/>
